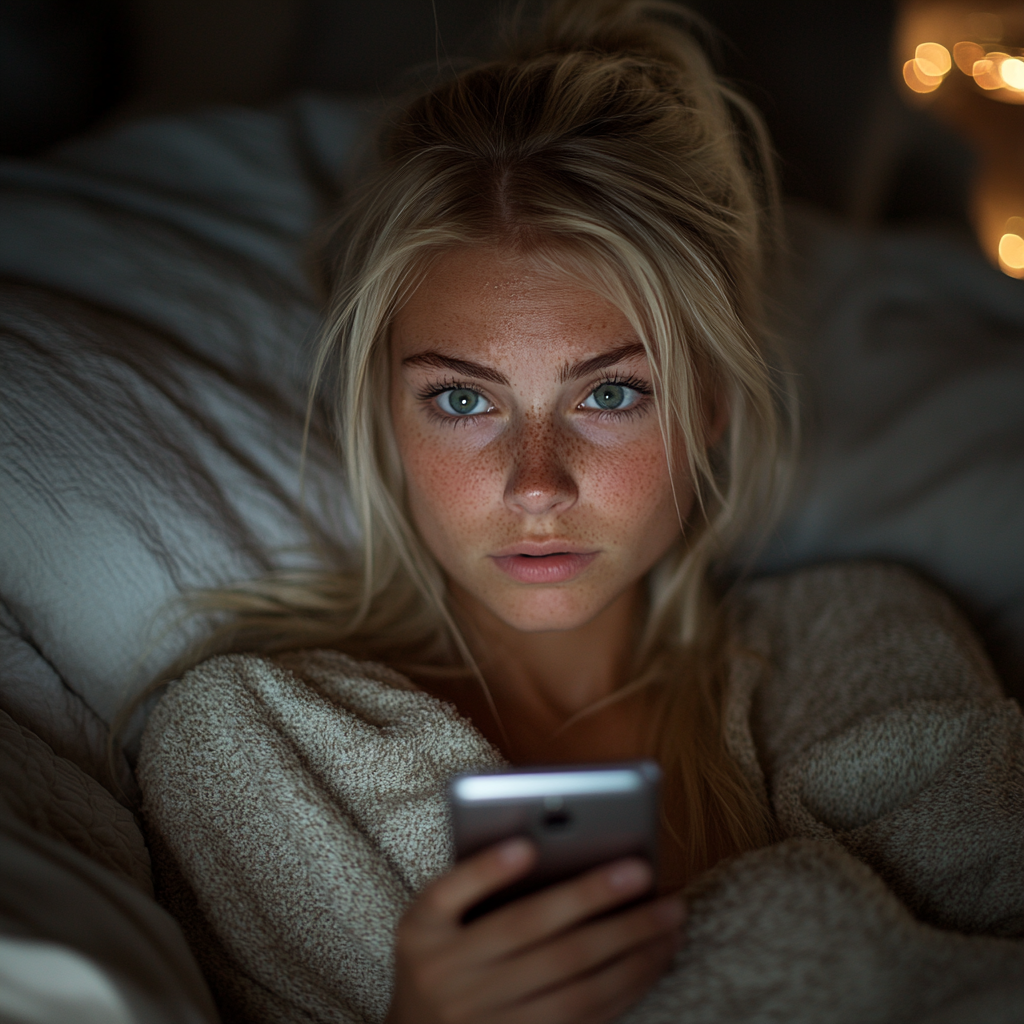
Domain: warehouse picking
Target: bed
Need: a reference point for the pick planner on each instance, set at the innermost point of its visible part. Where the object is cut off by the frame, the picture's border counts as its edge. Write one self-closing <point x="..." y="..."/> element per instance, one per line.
<point x="155" y="322"/>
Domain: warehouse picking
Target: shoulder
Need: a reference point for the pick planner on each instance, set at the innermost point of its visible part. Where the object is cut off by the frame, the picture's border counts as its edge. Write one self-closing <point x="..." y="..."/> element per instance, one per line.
<point x="843" y="641"/>
<point x="842" y="599"/>
<point x="249" y="706"/>
<point x="229" y="680"/>
<point x="268" y="742"/>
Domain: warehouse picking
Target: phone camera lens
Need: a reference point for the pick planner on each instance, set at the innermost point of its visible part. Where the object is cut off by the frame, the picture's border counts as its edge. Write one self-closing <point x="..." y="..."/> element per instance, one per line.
<point x="556" y="819"/>
<point x="555" y="815"/>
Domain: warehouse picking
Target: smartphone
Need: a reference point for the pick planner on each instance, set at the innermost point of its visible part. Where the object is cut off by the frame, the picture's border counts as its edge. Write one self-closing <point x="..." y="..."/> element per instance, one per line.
<point x="579" y="817"/>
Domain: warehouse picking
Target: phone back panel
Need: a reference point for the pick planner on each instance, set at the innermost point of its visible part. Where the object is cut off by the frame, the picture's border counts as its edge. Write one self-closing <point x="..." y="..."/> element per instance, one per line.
<point x="579" y="817"/>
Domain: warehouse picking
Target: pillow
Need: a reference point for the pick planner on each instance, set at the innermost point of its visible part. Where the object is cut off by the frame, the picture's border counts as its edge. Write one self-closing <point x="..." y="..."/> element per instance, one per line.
<point x="910" y="354"/>
<point x="153" y="396"/>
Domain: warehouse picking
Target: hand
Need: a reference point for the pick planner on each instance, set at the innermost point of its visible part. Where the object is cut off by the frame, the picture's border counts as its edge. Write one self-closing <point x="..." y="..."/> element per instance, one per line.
<point x="539" y="960"/>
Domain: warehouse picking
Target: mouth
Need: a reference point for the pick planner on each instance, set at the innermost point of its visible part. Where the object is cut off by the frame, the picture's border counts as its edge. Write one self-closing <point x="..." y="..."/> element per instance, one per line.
<point x="543" y="562"/>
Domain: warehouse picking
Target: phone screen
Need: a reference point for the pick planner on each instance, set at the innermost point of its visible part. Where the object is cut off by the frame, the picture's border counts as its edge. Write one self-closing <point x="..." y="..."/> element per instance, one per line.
<point x="579" y="817"/>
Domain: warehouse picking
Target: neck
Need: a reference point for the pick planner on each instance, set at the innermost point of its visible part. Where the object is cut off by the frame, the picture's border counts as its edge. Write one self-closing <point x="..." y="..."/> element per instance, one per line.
<point x="552" y="675"/>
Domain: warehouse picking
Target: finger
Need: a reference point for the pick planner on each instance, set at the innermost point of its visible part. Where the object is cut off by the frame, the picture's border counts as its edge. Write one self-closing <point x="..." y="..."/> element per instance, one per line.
<point x="603" y="995"/>
<point x="585" y="949"/>
<point x="531" y="920"/>
<point x="447" y="899"/>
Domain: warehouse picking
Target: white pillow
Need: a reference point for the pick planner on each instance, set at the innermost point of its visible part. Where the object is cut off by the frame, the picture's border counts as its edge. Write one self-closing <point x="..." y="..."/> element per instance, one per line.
<point x="153" y="401"/>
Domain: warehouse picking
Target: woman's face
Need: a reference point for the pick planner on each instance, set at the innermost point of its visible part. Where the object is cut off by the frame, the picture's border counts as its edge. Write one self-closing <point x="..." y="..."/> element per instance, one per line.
<point x="534" y="464"/>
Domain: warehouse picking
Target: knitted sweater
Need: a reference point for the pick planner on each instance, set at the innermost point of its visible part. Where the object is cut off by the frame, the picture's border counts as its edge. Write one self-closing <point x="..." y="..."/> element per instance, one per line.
<point x="295" y="806"/>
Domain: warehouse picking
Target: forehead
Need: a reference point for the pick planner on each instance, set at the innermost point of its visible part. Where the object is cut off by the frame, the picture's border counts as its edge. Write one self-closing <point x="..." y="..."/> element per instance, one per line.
<point x="493" y="302"/>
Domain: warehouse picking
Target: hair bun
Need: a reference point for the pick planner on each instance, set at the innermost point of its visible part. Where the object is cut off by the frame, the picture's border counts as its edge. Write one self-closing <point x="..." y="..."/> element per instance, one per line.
<point x="651" y="28"/>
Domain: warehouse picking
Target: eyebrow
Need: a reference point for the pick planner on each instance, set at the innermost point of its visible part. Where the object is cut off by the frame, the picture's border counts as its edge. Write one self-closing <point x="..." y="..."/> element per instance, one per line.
<point x="577" y="371"/>
<point x="602" y="362"/>
<point x="463" y="366"/>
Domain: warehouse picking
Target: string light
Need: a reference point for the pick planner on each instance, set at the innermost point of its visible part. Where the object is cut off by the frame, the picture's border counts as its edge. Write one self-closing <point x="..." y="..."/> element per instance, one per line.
<point x="986" y="71"/>
<point x="929" y="67"/>
<point x="1000" y="73"/>
<point x="1011" y="248"/>
<point x="967" y="54"/>
<point x="990" y="56"/>
<point x="1011" y="71"/>
<point x="932" y="59"/>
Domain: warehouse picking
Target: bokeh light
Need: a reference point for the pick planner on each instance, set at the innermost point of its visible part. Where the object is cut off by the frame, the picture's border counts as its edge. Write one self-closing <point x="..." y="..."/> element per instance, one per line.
<point x="986" y="72"/>
<point x="917" y="80"/>
<point x="966" y="54"/>
<point x="1011" y="254"/>
<point x="932" y="60"/>
<point x="1011" y="248"/>
<point x="1011" y="71"/>
<point x="987" y="48"/>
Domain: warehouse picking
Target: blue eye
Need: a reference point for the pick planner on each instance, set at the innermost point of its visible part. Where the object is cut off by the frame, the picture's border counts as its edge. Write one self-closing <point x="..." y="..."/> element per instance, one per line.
<point x="462" y="402"/>
<point x="609" y="397"/>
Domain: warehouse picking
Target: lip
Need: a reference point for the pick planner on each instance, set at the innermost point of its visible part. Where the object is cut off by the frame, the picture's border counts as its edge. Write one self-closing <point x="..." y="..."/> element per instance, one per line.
<point x="550" y="561"/>
<point x="539" y="548"/>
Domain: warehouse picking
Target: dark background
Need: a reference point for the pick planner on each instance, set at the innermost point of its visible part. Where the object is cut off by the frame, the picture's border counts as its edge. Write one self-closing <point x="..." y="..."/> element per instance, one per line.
<point x="821" y="73"/>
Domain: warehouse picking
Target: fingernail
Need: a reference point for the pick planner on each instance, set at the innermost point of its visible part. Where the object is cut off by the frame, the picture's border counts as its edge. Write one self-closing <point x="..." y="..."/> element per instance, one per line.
<point x="631" y="874"/>
<point x="515" y="852"/>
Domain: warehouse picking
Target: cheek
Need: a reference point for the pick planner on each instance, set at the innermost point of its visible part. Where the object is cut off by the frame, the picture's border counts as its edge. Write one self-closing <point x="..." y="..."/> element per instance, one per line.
<point x="632" y="488"/>
<point x="450" y="484"/>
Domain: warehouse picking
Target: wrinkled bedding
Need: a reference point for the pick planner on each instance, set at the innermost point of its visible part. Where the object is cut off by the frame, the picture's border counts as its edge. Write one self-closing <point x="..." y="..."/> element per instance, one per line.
<point x="80" y="936"/>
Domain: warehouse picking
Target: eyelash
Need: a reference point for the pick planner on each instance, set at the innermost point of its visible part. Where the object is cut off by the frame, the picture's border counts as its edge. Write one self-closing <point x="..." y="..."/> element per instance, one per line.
<point x="448" y="384"/>
<point x="636" y="384"/>
<point x="429" y="393"/>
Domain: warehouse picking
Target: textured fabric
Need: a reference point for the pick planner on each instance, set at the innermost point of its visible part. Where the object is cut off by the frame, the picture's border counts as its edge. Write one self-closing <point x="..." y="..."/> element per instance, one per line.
<point x="60" y="801"/>
<point x="80" y="935"/>
<point x="295" y="806"/>
<point x="72" y="930"/>
<point x="155" y="319"/>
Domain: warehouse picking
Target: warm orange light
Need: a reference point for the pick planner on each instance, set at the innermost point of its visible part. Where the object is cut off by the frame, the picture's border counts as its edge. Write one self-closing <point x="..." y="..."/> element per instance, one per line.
<point x="1011" y="248"/>
<point x="917" y="80"/>
<point x="1012" y="73"/>
<point x="1011" y="255"/>
<point x="986" y="71"/>
<point x="966" y="54"/>
<point x="932" y="60"/>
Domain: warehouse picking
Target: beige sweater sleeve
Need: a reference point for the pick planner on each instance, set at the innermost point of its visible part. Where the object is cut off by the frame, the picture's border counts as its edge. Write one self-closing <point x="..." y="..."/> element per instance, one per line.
<point x="293" y="808"/>
<point x="894" y="766"/>
<point x="882" y="728"/>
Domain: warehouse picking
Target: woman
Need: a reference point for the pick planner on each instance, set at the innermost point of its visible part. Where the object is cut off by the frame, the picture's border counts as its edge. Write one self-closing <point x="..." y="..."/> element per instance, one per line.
<point x="559" y="412"/>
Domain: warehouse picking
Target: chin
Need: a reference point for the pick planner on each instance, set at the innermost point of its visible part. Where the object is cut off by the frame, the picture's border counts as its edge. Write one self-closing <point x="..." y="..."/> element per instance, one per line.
<point x="550" y="612"/>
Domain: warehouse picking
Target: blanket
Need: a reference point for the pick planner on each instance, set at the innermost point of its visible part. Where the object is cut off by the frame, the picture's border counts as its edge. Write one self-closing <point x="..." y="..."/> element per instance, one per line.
<point x="295" y="806"/>
<point x="80" y="936"/>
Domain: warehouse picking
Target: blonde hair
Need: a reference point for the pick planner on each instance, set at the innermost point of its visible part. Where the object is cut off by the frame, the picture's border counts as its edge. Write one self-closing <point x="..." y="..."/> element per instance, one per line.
<point x="604" y="146"/>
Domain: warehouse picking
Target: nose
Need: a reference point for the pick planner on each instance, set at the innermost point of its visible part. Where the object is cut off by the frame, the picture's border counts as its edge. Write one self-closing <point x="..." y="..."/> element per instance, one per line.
<point x="539" y="482"/>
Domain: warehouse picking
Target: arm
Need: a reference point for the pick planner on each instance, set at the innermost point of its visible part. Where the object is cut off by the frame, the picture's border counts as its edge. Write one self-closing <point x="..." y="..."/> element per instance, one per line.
<point x="882" y="728"/>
